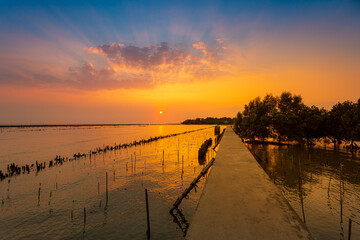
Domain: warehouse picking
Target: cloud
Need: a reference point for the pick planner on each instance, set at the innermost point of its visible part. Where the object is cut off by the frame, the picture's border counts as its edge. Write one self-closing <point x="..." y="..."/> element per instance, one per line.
<point x="202" y="46"/>
<point x="128" y="66"/>
<point x="220" y="41"/>
<point x="153" y="57"/>
<point x="161" y="57"/>
<point x="199" y="45"/>
<point x="87" y="77"/>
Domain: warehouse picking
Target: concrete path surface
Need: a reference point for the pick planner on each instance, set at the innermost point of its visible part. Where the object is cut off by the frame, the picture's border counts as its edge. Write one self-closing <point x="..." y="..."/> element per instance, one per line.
<point x="239" y="201"/>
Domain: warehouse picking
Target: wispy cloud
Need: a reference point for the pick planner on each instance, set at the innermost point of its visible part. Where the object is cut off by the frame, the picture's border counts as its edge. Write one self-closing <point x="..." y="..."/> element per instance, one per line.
<point x="87" y="77"/>
<point x="161" y="58"/>
<point x="128" y="66"/>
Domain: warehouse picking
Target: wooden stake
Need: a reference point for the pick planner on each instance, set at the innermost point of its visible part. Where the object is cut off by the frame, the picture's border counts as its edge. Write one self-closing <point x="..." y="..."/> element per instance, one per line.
<point x="163" y="157"/>
<point x="192" y="185"/>
<point x="84" y="216"/>
<point x="341" y="195"/>
<point x="349" y="236"/>
<point x="39" y="193"/>
<point x="182" y="164"/>
<point x="72" y="210"/>
<point x="107" y="194"/>
<point x="329" y="188"/>
<point x="147" y="214"/>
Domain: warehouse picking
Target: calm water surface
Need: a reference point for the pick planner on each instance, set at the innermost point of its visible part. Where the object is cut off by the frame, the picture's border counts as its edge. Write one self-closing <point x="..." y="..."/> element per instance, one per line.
<point x="322" y="185"/>
<point x="66" y="190"/>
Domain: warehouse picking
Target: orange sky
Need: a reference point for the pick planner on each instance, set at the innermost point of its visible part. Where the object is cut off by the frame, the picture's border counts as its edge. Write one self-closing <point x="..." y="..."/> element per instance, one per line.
<point x="72" y="78"/>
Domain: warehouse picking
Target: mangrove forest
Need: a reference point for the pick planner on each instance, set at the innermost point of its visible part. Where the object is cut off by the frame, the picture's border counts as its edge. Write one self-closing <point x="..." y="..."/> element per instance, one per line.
<point x="210" y="120"/>
<point x="285" y="118"/>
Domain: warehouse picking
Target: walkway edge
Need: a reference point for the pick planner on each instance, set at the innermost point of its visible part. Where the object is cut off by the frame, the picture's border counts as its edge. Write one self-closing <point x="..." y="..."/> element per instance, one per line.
<point x="239" y="201"/>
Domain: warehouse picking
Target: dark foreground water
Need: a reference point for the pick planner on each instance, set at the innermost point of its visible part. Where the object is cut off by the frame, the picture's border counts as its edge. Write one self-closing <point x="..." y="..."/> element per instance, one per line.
<point x="50" y="204"/>
<point x="322" y="185"/>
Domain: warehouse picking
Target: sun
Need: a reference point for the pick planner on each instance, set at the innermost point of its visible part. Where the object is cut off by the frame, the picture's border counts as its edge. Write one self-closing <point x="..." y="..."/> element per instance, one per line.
<point x="161" y="112"/>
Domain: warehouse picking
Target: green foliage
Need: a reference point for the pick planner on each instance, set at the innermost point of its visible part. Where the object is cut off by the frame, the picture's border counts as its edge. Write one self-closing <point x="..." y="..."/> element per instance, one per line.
<point x="313" y="125"/>
<point x="340" y="121"/>
<point x="210" y="120"/>
<point x="257" y="118"/>
<point x="350" y="121"/>
<point x="286" y="118"/>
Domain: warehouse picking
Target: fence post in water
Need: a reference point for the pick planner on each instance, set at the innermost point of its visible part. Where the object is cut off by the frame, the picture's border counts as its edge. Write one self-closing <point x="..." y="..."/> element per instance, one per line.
<point x="163" y="157"/>
<point x="50" y="197"/>
<point x="147" y="214"/>
<point x="84" y="216"/>
<point x="72" y="210"/>
<point x="182" y="164"/>
<point x="182" y="167"/>
<point x="329" y="188"/>
<point x="39" y="193"/>
<point x="349" y="236"/>
<point x="341" y="199"/>
<point x="107" y="194"/>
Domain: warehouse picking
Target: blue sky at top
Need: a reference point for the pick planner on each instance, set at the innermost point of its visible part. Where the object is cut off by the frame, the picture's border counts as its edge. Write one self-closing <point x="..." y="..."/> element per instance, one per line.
<point x="156" y="21"/>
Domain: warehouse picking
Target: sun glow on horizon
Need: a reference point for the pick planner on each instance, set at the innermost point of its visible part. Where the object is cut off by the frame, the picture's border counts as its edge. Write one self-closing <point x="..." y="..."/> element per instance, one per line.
<point x="136" y="71"/>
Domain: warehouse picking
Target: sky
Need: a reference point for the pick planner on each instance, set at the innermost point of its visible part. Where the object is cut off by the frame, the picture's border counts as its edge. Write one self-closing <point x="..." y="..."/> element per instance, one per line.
<point x="67" y="62"/>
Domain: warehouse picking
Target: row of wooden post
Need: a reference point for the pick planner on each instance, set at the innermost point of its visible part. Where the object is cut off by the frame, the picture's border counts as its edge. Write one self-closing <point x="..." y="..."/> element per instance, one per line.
<point x="146" y="191"/>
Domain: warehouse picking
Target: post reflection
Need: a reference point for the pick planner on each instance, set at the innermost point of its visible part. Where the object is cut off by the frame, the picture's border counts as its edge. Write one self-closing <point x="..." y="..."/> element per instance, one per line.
<point x="322" y="185"/>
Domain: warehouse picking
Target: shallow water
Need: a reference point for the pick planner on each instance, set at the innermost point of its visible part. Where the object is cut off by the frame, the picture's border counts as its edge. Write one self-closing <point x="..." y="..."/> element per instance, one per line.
<point x="50" y="204"/>
<point x="310" y="180"/>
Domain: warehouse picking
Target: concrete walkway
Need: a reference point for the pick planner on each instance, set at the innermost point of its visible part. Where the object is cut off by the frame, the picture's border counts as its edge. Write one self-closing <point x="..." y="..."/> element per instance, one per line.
<point x="239" y="200"/>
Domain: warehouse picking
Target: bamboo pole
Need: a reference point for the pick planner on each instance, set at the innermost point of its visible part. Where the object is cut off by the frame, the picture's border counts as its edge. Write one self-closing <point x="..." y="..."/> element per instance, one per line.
<point x="192" y="185"/>
<point x="147" y="214"/>
<point x="349" y="235"/>
<point x="163" y="158"/>
<point x="329" y="187"/>
<point x="84" y="216"/>
<point x="39" y="191"/>
<point x="107" y="194"/>
<point x="182" y="167"/>
<point x="341" y="195"/>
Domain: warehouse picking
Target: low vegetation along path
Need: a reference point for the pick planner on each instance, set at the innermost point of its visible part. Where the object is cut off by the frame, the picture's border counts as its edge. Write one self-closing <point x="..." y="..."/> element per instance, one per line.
<point x="239" y="200"/>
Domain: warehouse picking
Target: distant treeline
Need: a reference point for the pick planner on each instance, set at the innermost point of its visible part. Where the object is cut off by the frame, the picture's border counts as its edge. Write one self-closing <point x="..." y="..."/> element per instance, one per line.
<point x="286" y="118"/>
<point x="210" y="120"/>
